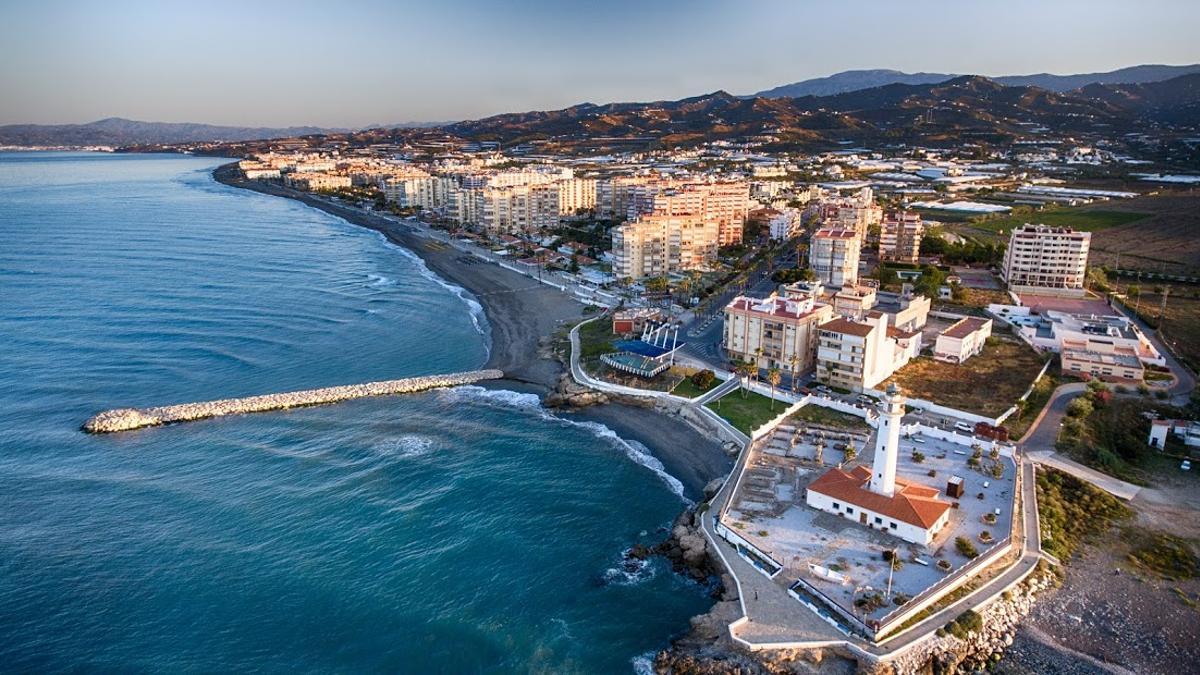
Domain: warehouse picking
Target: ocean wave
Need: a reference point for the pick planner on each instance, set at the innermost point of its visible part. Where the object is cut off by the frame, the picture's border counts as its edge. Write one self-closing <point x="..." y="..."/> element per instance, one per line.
<point x="634" y="450"/>
<point x="478" y="318"/>
<point x="380" y="280"/>
<point x="409" y="445"/>
<point x="643" y="664"/>
<point x="629" y="571"/>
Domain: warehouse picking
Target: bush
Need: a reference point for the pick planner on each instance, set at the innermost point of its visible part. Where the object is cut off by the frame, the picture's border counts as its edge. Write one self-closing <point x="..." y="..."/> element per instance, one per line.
<point x="968" y="622"/>
<point x="1080" y="407"/>
<point x="918" y="457"/>
<point x="703" y="378"/>
<point x="965" y="547"/>
<point x="901" y="598"/>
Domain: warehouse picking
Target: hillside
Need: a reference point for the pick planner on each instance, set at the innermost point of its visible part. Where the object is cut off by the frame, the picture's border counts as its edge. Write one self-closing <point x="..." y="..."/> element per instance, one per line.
<point x="857" y="80"/>
<point x="963" y="107"/>
<point x="116" y="131"/>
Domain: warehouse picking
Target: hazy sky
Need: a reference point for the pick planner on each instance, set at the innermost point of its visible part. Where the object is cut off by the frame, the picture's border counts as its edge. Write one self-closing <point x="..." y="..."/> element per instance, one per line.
<point x="345" y="63"/>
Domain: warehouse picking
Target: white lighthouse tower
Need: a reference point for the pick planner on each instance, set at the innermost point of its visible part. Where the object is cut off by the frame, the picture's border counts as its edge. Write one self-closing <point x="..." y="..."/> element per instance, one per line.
<point x="887" y="442"/>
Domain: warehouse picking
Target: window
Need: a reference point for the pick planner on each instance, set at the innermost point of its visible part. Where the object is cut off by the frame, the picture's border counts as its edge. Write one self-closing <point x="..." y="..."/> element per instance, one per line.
<point x="892" y="525"/>
<point x="878" y="520"/>
<point x="836" y="506"/>
<point x="849" y="510"/>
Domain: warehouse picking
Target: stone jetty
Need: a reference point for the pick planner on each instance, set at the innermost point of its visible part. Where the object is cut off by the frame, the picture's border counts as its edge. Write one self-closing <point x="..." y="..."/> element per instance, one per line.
<point x="126" y="419"/>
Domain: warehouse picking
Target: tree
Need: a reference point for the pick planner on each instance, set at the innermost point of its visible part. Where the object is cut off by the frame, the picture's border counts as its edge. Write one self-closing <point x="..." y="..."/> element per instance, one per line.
<point x="850" y="453"/>
<point x="574" y="268"/>
<point x="774" y="377"/>
<point x="703" y="378"/>
<point x="742" y="370"/>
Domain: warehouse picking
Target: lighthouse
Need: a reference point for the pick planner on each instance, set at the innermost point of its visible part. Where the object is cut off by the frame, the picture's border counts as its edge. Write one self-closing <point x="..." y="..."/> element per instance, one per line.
<point x="887" y="442"/>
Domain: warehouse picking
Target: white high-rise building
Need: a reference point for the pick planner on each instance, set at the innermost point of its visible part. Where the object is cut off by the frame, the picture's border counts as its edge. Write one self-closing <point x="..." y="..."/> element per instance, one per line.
<point x="833" y="256"/>
<point x="656" y="245"/>
<point x="1043" y="259"/>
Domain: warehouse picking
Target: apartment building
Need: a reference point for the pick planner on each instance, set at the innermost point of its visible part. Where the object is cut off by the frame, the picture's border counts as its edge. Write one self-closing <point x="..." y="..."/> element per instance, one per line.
<point x="518" y="208"/>
<point x="575" y="195"/>
<point x="1043" y="259"/>
<point x="657" y="245"/>
<point x="900" y="237"/>
<point x="857" y="212"/>
<point x="314" y="181"/>
<point x="776" y="332"/>
<point x="724" y="204"/>
<point x="785" y="225"/>
<point x="1112" y="364"/>
<point x="859" y="354"/>
<point x="833" y="256"/>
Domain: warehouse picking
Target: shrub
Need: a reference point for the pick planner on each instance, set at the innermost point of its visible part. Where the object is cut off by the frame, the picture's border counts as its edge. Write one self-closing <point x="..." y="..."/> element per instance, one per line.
<point x="901" y="598"/>
<point x="968" y="622"/>
<point x="932" y="473"/>
<point x="918" y="457"/>
<point x="1080" y="407"/>
<point x="944" y="565"/>
<point x="965" y="547"/>
<point x="703" y="378"/>
<point x="997" y="470"/>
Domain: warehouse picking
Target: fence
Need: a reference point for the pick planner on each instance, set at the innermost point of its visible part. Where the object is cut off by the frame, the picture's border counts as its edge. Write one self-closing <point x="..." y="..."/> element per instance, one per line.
<point x="749" y="552"/>
<point x="855" y="624"/>
<point x="952" y="581"/>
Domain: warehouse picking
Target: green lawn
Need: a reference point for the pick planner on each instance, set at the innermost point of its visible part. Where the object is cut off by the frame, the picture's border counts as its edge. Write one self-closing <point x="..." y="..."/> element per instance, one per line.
<point x="688" y="390"/>
<point x="1078" y="219"/>
<point x="830" y="418"/>
<point x="749" y="413"/>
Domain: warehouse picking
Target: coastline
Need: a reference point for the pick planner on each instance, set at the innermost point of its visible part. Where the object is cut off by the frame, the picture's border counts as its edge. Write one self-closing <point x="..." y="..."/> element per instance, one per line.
<point x="523" y="316"/>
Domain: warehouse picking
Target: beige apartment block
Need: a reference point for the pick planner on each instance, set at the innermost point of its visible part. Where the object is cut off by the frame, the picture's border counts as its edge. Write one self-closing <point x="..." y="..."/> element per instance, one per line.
<point x="776" y="332"/>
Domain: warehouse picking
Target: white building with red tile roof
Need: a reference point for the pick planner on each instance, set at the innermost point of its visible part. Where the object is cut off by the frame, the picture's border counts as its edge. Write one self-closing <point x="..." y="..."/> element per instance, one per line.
<point x="875" y="497"/>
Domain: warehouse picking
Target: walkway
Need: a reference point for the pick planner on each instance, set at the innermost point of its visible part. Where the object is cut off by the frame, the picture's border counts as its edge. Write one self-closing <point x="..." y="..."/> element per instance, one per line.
<point x="1114" y="486"/>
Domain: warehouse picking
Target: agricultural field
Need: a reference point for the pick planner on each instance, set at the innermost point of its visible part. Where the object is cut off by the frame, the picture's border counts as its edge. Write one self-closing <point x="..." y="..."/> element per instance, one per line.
<point x="1180" y="326"/>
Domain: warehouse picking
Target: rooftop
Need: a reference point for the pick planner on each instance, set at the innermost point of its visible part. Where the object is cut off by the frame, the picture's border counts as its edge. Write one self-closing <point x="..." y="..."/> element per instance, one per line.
<point x="964" y="327"/>
<point x="912" y="503"/>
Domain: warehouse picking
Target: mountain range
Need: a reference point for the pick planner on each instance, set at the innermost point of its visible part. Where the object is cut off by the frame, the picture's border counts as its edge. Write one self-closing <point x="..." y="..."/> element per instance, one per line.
<point x="117" y="131"/>
<point x="966" y="108"/>
<point x="855" y="80"/>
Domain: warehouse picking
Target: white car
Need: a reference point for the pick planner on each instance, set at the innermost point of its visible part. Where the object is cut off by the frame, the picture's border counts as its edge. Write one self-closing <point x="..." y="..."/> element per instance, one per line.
<point x="964" y="427"/>
<point x="1186" y="465"/>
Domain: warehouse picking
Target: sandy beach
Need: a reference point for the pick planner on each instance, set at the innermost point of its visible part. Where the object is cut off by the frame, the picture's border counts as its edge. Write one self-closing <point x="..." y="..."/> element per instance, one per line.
<point x="520" y="313"/>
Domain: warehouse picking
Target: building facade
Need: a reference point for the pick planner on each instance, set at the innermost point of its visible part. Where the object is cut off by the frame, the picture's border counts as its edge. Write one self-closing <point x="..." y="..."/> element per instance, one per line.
<point x="962" y="340"/>
<point x="833" y="255"/>
<point x="657" y="245"/>
<point x="900" y="237"/>
<point x="776" y="332"/>
<point x="1042" y="259"/>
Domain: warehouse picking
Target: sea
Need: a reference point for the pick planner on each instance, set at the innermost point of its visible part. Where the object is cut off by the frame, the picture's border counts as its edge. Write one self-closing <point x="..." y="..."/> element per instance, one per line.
<point x="466" y="530"/>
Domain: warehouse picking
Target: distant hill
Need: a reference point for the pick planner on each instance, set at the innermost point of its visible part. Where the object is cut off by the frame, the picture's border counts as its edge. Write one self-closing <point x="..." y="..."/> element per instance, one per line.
<point x="116" y="131"/>
<point x="851" y="80"/>
<point x="952" y="111"/>
<point x="856" y="80"/>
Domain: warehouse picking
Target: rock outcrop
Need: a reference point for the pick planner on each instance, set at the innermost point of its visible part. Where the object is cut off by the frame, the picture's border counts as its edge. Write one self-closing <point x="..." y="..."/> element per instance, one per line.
<point x="126" y="419"/>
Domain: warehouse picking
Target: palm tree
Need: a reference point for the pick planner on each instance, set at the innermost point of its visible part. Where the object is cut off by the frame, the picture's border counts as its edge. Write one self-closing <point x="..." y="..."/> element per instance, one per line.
<point x="851" y="453"/>
<point x="795" y="366"/>
<point x="742" y="370"/>
<point x="757" y="360"/>
<point x="774" y="377"/>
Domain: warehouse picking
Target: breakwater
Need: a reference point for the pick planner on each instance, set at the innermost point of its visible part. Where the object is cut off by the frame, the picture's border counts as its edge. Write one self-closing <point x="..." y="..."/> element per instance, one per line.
<point x="127" y="419"/>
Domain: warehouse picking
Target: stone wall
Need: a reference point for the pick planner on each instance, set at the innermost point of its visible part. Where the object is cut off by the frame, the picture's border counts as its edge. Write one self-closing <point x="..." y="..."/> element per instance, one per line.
<point x="125" y="419"/>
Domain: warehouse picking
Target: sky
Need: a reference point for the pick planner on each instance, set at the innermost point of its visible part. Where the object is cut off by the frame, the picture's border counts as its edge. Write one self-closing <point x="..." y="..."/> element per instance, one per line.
<point x="341" y="63"/>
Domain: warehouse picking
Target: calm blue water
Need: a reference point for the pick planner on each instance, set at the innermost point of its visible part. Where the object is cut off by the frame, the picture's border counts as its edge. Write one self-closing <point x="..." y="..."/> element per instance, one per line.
<point x="455" y="531"/>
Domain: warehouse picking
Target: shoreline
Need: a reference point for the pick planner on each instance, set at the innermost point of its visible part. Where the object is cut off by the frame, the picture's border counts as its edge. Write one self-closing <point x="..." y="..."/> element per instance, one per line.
<point x="523" y="316"/>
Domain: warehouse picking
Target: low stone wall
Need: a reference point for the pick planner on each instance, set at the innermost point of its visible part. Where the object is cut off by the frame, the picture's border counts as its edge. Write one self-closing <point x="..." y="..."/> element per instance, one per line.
<point x="126" y="419"/>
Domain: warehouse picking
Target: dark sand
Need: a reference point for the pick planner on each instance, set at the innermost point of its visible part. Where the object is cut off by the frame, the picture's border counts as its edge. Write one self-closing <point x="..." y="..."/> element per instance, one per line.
<point x="520" y="312"/>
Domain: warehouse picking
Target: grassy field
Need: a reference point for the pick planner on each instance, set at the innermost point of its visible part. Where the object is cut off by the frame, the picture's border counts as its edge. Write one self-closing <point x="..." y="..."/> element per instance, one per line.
<point x="749" y="413"/>
<point x="815" y="414"/>
<point x="988" y="383"/>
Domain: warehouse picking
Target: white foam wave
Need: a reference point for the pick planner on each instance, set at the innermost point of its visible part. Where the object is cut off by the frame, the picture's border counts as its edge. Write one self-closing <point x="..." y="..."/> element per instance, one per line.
<point x="409" y="445"/>
<point x="643" y="664"/>
<point x="634" y="450"/>
<point x="380" y="280"/>
<point x="630" y="571"/>
<point x="478" y="318"/>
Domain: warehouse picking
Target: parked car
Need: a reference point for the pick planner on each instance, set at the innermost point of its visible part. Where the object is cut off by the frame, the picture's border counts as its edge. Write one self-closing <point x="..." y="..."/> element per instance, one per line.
<point x="1186" y="465"/>
<point x="964" y="427"/>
